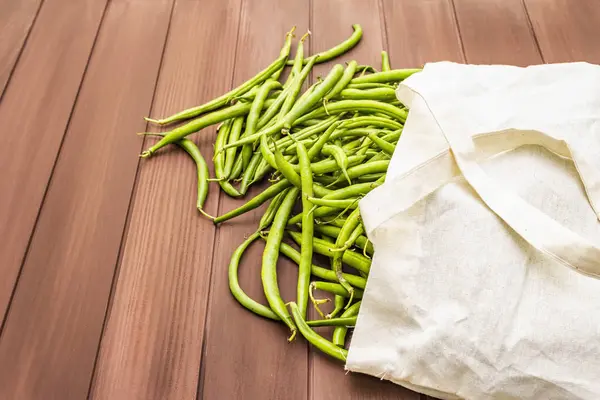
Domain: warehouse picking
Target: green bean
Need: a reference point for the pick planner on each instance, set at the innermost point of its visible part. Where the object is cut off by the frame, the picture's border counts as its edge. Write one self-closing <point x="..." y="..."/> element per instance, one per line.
<point x="285" y="51"/>
<point x="306" y="251"/>
<point x="307" y="132"/>
<point x="255" y="202"/>
<point x="354" y="105"/>
<point x="199" y="123"/>
<point x="303" y="105"/>
<point x="363" y="121"/>
<point x="353" y="190"/>
<point x="339" y="302"/>
<point x="298" y="60"/>
<point x="257" y="106"/>
<point x="222" y="100"/>
<point x="382" y="144"/>
<point x="339" y="156"/>
<point x="334" y="231"/>
<point x="249" y="173"/>
<point x="315" y="339"/>
<point x="349" y="257"/>
<point x="269" y="261"/>
<point x="219" y="160"/>
<point x="336" y="288"/>
<point x="339" y="333"/>
<point x="343" y="82"/>
<point x="295" y="88"/>
<point x="370" y="177"/>
<point x="288" y="172"/>
<point x="374" y="85"/>
<point x="262" y="170"/>
<point x="271" y="210"/>
<point x="238" y="167"/>
<point x="345" y="321"/>
<point x="272" y="110"/>
<point x="385" y="62"/>
<point x="327" y="166"/>
<point x="341" y="48"/>
<point x="395" y="75"/>
<point x="234" y="285"/>
<point x="201" y="170"/>
<point x="342" y="203"/>
<point x="336" y="263"/>
<point x="370" y="167"/>
<point x="380" y="94"/>
<point x="234" y="134"/>
<point x="319" y="272"/>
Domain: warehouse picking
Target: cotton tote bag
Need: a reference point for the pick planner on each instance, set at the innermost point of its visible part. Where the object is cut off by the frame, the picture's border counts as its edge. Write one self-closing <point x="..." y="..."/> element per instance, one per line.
<point x="485" y="279"/>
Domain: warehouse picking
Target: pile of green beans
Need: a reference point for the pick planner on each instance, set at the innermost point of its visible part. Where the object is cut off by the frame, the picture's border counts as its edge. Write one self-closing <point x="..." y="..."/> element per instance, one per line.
<point x="321" y="150"/>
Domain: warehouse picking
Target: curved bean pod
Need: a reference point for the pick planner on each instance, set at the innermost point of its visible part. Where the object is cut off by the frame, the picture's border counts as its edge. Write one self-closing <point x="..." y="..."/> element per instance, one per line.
<point x="336" y="288"/>
<point x="255" y="202"/>
<point x="341" y="48"/>
<point x="202" y="171"/>
<point x="339" y="156"/>
<point x="339" y="333"/>
<point x="271" y="210"/>
<point x="349" y="257"/>
<point x="234" y="285"/>
<point x="355" y="105"/>
<point x="320" y="272"/>
<point x="315" y="339"/>
<point x="268" y="272"/>
<point x="343" y="82"/>
<point x="395" y="75"/>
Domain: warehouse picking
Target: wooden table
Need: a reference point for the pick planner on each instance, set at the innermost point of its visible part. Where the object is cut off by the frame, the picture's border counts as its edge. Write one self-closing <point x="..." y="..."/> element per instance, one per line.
<point x="111" y="285"/>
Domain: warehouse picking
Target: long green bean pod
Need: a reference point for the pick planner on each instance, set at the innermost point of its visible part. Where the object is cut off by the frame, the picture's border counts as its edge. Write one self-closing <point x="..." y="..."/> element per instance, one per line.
<point x="268" y="272"/>
<point x="234" y="285"/>
<point x="314" y="338"/>
<point x="341" y="48"/>
<point x="306" y="251"/>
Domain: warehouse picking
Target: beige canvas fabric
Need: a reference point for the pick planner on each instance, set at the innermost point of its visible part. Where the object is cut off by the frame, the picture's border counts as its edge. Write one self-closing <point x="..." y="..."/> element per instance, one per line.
<point x="484" y="283"/>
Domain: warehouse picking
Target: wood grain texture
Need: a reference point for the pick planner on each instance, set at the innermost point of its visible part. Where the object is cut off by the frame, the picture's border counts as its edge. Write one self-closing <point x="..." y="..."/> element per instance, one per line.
<point x="331" y="24"/>
<point x="16" y="19"/>
<point x="421" y="31"/>
<point x="566" y="30"/>
<point x="52" y="333"/>
<point x="238" y="343"/>
<point x="34" y="113"/>
<point x="153" y="339"/>
<point x="496" y="32"/>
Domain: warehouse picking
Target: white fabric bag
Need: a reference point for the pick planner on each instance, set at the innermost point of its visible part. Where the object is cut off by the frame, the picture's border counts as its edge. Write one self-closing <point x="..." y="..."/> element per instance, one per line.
<point x="485" y="279"/>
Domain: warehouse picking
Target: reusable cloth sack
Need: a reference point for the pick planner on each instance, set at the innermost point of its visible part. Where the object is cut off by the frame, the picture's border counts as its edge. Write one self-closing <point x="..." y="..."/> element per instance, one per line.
<point x="485" y="279"/>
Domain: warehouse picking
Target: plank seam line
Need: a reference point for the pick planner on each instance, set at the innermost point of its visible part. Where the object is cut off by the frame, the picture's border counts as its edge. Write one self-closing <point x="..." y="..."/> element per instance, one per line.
<point x="384" y="29"/>
<point x="202" y="371"/>
<point x="49" y="182"/>
<point x="458" y="34"/>
<point x="124" y="235"/>
<point x="14" y="67"/>
<point x="532" y="31"/>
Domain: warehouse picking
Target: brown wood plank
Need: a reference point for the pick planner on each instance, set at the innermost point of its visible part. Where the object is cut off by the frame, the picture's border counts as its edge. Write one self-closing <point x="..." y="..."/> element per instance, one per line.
<point x="34" y="113"/>
<point x="421" y="31"/>
<point x="246" y="356"/>
<point x="496" y="32"/>
<point x="332" y="23"/>
<point x="50" y="341"/>
<point x="16" y="19"/>
<point x="566" y="31"/>
<point x="153" y="339"/>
